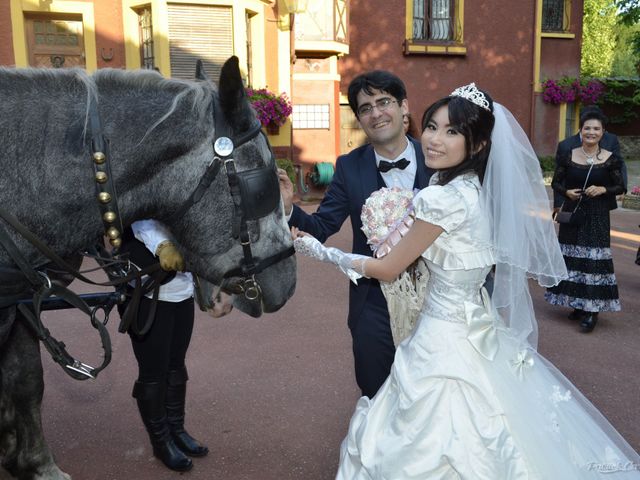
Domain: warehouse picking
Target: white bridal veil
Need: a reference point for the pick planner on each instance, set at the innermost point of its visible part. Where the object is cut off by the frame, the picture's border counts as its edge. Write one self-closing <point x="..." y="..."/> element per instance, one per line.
<point x="523" y="236"/>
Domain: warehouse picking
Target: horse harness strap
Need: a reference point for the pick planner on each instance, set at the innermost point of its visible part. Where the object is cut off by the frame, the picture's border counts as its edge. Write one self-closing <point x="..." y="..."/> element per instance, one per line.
<point x="105" y="186"/>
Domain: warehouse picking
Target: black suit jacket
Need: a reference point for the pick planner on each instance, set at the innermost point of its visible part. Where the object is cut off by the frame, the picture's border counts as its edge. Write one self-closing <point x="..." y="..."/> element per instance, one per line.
<point x="355" y="178"/>
<point x="609" y="141"/>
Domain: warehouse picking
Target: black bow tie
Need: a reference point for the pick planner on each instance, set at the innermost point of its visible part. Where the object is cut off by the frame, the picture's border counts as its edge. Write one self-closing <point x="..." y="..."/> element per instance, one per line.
<point x="386" y="166"/>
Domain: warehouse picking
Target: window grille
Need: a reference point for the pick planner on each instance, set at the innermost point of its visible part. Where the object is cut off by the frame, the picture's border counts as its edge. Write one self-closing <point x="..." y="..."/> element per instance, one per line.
<point x="311" y="116"/>
<point x="146" y="38"/>
<point x="553" y="15"/>
<point x="433" y="20"/>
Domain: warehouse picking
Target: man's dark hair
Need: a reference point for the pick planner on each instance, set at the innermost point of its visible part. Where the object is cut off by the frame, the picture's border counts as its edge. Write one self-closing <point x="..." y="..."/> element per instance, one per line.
<point x="592" y="112"/>
<point x="375" y="80"/>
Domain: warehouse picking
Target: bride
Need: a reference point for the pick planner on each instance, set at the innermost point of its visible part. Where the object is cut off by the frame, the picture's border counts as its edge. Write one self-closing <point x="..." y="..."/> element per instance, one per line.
<point x="468" y="396"/>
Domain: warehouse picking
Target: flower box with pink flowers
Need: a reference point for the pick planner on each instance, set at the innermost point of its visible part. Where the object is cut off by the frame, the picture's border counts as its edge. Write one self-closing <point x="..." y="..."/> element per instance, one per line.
<point x="631" y="199"/>
<point x="271" y="109"/>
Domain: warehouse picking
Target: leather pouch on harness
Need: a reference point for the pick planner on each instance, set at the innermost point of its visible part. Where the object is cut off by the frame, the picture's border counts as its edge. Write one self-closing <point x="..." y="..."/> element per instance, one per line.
<point x="136" y="251"/>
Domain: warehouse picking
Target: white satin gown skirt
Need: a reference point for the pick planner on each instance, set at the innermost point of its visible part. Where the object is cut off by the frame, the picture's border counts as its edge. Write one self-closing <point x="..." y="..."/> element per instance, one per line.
<point x="465" y="401"/>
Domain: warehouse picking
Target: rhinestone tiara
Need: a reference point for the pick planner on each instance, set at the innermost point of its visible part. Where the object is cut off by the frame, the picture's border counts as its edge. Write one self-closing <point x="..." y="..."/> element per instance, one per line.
<point x="470" y="92"/>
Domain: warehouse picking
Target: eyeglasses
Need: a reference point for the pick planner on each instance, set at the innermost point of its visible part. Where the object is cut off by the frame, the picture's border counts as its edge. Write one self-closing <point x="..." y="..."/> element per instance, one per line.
<point x="381" y="104"/>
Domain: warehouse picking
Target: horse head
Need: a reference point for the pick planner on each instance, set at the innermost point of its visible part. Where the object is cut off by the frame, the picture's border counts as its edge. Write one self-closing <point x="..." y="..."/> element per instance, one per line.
<point x="238" y="227"/>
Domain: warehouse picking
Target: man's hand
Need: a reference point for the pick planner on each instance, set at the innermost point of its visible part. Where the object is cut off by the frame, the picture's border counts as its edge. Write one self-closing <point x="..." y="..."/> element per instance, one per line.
<point x="170" y="258"/>
<point x="286" y="191"/>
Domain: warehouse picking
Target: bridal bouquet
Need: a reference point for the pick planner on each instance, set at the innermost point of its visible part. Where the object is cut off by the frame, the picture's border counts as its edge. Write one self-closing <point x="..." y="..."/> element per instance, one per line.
<point x="386" y="217"/>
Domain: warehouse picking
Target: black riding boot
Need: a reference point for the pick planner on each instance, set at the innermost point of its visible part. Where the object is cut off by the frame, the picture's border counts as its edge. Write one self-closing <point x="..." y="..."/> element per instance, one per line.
<point x="151" y="398"/>
<point x="175" y="400"/>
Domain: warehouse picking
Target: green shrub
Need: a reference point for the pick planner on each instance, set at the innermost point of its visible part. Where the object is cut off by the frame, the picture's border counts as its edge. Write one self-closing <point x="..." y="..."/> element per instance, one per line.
<point x="547" y="163"/>
<point x="287" y="166"/>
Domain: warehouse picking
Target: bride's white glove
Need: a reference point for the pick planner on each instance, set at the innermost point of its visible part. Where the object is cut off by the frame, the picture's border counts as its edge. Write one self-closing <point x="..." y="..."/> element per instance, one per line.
<point x="351" y="264"/>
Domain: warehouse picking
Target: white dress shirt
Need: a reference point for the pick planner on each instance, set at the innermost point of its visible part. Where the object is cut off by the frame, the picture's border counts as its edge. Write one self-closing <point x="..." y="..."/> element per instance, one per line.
<point x="152" y="233"/>
<point x="397" y="177"/>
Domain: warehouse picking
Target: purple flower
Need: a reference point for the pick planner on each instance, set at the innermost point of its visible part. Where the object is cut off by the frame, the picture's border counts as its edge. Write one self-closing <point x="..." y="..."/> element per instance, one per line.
<point x="269" y="107"/>
<point x="568" y="90"/>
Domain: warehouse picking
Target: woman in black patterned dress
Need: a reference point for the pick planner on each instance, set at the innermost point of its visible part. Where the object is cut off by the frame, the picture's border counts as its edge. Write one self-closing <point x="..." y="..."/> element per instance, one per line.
<point x="591" y="287"/>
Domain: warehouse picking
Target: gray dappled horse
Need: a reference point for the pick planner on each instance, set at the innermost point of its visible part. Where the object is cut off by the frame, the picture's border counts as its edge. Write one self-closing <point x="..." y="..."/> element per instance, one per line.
<point x="161" y="135"/>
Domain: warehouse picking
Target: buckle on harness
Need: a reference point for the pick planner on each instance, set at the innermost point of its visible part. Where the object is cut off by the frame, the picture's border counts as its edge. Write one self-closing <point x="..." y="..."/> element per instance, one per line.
<point x="81" y="368"/>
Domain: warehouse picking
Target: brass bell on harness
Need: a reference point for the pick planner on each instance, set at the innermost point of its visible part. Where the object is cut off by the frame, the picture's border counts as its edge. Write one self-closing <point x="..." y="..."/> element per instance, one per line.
<point x="113" y="233"/>
<point x="109" y="217"/>
<point x="99" y="158"/>
<point x="104" y="197"/>
<point x="101" y="177"/>
<point x="116" y="242"/>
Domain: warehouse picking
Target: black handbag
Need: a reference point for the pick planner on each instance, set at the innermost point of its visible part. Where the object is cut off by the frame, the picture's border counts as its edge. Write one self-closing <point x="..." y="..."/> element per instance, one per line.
<point x="577" y="216"/>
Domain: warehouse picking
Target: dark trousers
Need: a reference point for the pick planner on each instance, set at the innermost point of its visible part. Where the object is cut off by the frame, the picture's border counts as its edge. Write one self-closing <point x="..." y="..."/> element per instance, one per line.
<point x="165" y="346"/>
<point x="373" y="348"/>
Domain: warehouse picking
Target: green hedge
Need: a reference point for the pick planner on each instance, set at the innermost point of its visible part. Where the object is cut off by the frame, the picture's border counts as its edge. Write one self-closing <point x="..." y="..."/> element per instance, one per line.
<point x="287" y="166"/>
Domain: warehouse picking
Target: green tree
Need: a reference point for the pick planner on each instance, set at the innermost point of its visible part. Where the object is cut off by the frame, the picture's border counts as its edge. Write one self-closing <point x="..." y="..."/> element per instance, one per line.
<point x="598" y="38"/>
<point x="629" y="17"/>
<point x="626" y="58"/>
<point x="629" y="11"/>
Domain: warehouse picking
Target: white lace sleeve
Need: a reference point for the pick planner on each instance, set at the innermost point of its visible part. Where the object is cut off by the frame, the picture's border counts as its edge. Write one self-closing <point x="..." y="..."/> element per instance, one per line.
<point x="351" y="264"/>
<point x="441" y="205"/>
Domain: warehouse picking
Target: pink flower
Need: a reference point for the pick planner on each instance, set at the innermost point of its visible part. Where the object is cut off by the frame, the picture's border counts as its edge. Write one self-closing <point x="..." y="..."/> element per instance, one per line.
<point x="568" y="90"/>
<point x="269" y="107"/>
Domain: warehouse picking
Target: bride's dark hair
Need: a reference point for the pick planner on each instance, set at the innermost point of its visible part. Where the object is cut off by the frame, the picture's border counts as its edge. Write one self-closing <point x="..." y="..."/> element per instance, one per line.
<point x="475" y="124"/>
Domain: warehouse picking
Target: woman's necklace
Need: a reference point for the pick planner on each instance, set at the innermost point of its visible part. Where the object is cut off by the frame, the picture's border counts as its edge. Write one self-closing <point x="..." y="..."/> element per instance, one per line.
<point x="590" y="158"/>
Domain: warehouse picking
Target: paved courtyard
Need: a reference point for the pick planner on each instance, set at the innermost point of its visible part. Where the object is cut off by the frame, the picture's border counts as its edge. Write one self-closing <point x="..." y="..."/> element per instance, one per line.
<point x="272" y="397"/>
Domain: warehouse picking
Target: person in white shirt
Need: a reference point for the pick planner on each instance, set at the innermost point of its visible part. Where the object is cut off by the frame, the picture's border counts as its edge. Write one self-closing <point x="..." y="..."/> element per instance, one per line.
<point x="160" y="390"/>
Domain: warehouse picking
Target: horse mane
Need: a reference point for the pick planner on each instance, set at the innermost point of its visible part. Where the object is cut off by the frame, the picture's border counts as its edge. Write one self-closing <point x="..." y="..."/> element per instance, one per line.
<point x="200" y="92"/>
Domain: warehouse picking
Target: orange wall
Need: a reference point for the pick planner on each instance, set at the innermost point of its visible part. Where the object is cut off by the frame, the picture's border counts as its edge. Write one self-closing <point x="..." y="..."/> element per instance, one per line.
<point x="6" y="41"/>
<point x="109" y="34"/>
<point x="271" y="34"/>
<point x="313" y="145"/>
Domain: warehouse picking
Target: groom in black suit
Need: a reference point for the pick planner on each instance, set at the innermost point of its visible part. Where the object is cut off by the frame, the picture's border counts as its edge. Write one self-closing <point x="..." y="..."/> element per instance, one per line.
<point x="391" y="159"/>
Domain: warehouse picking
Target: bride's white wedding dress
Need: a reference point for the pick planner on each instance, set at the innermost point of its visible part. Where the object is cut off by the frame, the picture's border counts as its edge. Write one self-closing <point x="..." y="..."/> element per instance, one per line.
<point x="466" y="400"/>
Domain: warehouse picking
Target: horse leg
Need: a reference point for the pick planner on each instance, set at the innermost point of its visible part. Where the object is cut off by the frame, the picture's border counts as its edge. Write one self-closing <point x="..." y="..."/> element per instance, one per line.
<point x="23" y="449"/>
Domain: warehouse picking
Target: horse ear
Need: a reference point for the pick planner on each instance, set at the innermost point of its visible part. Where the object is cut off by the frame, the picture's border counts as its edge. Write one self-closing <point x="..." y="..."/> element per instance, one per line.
<point x="200" y="73"/>
<point x="233" y="99"/>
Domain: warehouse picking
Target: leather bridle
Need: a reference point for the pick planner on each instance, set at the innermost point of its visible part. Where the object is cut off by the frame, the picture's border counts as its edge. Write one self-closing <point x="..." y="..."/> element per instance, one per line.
<point x="255" y="194"/>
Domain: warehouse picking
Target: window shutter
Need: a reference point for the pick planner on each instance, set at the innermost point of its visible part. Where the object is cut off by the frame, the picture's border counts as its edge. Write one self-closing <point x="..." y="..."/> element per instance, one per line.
<point x="199" y="32"/>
